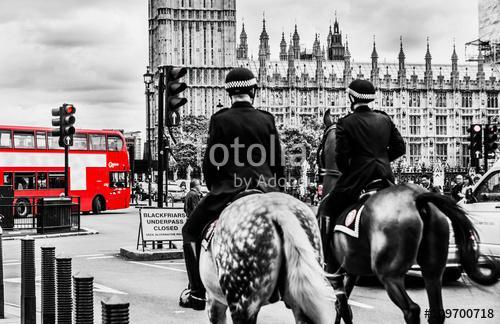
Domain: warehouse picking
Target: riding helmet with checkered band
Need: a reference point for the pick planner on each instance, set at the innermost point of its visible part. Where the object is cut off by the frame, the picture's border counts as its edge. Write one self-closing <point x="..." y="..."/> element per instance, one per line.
<point x="240" y="81"/>
<point x="361" y="91"/>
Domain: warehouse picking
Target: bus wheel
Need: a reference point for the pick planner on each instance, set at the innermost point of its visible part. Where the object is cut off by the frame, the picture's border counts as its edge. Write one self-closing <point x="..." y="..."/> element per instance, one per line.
<point x="22" y="207"/>
<point x="97" y="205"/>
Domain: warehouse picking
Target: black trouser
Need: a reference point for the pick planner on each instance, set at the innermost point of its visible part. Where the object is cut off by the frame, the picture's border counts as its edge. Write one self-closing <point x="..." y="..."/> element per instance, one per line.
<point x="207" y="210"/>
<point x="332" y="206"/>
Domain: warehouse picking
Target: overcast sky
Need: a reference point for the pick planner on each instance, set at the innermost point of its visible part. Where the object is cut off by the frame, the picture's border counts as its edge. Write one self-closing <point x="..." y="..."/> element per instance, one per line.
<point x="93" y="52"/>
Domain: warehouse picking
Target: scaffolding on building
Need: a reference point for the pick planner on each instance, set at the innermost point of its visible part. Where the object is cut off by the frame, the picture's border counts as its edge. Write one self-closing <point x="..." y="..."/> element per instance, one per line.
<point x="489" y="49"/>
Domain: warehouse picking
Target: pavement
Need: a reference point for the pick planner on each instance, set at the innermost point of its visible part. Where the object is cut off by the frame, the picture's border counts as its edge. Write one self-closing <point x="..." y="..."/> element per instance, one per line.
<point x="13" y="314"/>
<point x="153" y="287"/>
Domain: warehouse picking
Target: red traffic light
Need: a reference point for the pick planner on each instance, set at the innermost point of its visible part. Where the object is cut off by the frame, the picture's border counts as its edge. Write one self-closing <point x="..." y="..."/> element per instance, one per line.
<point x="476" y="128"/>
<point x="69" y="109"/>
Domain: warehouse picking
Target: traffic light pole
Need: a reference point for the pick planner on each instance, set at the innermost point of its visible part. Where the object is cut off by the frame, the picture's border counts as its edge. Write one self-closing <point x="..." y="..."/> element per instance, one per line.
<point x="485" y="161"/>
<point x="66" y="160"/>
<point x="161" y="148"/>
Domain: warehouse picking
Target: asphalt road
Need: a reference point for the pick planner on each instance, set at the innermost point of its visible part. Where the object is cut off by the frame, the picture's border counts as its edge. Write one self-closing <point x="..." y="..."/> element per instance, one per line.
<point x="153" y="288"/>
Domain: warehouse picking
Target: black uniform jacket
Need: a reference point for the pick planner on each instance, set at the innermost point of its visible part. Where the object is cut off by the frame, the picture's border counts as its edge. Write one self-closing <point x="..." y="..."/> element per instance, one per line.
<point x="366" y="142"/>
<point x="245" y="148"/>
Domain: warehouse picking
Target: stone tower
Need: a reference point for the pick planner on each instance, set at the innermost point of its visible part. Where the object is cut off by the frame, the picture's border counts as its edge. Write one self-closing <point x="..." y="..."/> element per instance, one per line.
<point x="335" y="48"/>
<point x="199" y="35"/>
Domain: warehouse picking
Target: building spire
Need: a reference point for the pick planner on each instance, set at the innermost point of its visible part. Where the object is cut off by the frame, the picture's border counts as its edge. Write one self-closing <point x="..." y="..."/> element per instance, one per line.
<point x="428" y="67"/>
<point x="428" y="54"/>
<point x="242" y="50"/>
<point x="336" y="24"/>
<point x="296" y="43"/>
<point x="283" y="48"/>
<point x="454" y="56"/>
<point x="374" y="52"/>
<point x="402" y="68"/>
<point x="401" y="52"/>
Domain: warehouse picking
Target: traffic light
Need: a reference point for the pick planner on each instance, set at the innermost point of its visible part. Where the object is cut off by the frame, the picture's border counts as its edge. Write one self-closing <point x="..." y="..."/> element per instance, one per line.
<point x="476" y="143"/>
<point x="64" y="120"/>
<point x="490" y="138"/>
<point x="173" y="89"/>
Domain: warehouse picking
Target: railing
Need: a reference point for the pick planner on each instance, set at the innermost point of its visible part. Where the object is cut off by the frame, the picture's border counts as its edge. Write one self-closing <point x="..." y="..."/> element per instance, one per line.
<point x="43" y="214"/>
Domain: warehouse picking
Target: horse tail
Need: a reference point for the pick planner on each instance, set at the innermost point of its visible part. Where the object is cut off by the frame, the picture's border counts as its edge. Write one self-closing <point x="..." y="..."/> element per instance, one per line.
<point x="308" y="286"/>
<point x="466" y="236"/>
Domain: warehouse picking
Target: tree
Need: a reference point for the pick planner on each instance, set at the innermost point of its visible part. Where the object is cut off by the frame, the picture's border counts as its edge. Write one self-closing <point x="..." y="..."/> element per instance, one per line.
<point x="301" y="140"/>
<point x="191" y="141"/>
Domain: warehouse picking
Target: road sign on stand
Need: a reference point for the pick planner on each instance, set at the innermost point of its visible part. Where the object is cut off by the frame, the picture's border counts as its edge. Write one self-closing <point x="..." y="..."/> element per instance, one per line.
<point x="174" y="118"/>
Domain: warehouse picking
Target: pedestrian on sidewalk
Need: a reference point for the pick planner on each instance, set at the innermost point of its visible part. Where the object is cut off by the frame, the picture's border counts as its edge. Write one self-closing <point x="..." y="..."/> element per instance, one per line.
<point x="193" y="197"/>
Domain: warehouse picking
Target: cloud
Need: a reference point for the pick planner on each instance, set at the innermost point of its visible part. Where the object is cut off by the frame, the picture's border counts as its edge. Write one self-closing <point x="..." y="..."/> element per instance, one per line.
<point x="90" y="53"/>
<point x="93" y="53"/>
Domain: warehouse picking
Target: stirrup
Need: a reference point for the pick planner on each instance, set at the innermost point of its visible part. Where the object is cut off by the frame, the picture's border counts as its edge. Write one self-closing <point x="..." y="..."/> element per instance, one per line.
<point x="187" y="300"/>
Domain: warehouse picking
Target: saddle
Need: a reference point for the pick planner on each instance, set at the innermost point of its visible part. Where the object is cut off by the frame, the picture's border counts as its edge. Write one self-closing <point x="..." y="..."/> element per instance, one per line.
<point x="348" y="222"/>
<point x="209" y="230"/>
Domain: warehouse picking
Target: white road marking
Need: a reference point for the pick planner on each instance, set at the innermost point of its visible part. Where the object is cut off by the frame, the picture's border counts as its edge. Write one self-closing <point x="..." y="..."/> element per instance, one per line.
<point x="172" y="263"/>
<point x="157" y="266"/>
<point x="9" y="264"/>
<point x="108" y="290"/>
<point x="179" y="312"/>
<point x="87" y="255"/>
<point x="11" y="260"/>
<point x="101" y="257"/>
<point x="97" y="287"/>
<point x="358" y="304"/>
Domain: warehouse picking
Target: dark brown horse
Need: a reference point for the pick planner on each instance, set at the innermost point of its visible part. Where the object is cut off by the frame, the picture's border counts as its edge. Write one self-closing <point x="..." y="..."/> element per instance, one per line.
<point x="400" y="226"/>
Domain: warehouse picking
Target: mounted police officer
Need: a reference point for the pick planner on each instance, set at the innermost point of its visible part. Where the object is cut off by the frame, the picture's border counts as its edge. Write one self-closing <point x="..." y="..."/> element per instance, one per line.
<point x="243" y="152"/>
<point x="366" y="142"/>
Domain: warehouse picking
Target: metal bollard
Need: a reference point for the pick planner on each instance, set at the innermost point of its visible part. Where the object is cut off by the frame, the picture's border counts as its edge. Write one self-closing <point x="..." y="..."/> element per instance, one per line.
<point x="64" y="301"/>
<point x="28" y="295"/>
<point x="114" y="311"/>
<point x="83" y="288"/>
<point x="2" y="310"/>
<point x="48" y="285"/>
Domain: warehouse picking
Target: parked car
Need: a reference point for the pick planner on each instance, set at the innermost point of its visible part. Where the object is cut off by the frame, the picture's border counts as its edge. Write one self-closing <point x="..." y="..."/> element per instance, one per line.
<point x="482" y="204"/>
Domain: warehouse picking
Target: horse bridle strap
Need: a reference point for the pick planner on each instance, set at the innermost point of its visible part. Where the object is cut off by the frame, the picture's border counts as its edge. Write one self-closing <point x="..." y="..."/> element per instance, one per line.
<point x="329" y="172"/>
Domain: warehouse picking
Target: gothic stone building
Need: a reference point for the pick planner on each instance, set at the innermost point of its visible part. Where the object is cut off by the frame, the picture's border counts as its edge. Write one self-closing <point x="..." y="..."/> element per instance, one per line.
<point x="432" y="105"/>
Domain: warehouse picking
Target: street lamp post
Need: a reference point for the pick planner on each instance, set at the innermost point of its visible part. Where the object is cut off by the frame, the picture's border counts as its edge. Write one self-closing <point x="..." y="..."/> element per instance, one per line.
<point x="148" y="79"/>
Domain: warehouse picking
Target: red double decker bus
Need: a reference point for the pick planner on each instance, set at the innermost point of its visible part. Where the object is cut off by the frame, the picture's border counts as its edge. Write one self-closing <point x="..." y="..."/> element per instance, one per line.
<point x="33" y="163"/>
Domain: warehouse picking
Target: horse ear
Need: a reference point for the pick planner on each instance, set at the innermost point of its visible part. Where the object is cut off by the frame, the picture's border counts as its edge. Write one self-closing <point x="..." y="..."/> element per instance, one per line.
<point x="327" y="119"/>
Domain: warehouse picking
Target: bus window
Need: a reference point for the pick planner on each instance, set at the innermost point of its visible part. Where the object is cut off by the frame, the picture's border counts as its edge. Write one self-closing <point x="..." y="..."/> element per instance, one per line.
<point x="7" y="179"/>
<point x="24" y="139"/>
<point x="24" y="180"/>
<point x="54" y="143"/>
<point x="41" y="140"/>
<point x="79" y="142"/>
<point x="118" y="179"/>
<point x="56" y="180"/>
<point x="41" y="180"/>
<point x="115" y="143"/>
<point x="97" y="142"/>
<point x="5" y="138"/>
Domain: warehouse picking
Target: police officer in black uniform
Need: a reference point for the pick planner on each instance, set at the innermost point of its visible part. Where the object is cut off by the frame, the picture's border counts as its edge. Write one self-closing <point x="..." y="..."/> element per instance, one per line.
<point x="366" y="142"/>
<point x="243" y="152"/>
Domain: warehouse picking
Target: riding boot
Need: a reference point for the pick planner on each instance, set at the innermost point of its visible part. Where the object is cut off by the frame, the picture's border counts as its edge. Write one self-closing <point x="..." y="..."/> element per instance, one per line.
<point x="195" y="297"/>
